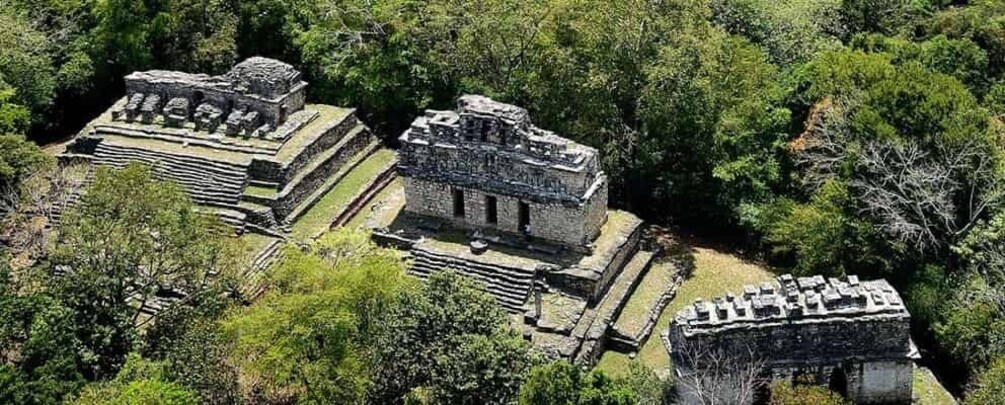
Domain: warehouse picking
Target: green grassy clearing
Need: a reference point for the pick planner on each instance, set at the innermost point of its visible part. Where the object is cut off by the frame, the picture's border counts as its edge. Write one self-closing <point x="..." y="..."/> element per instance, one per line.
<point x="636" y="312"/>
<point x="317" y="219"/>
<point x="715" y="273"/>
<point x="388" y="202"/>
<point x="928" y="390"/>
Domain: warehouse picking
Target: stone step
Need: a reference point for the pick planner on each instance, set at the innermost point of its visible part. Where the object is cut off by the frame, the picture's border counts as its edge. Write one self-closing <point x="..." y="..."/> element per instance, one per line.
<point x="226" y="179"/>
<point x="333" y="134"/>
<point x="515" y="285"/>
<point x="510" y="286"/>
<point x="510" y="304"/>
<point x="610" y="306"/>
<point x="198" y="194"/>
<point x="230" y="183"/>
<point x="219" y="164"/>
<point x="322" y="158"/>
<point x="516" y="294"/>
<point x="205" y="183"/>
<point x="512" y="274"/>
<point x="317" y="171"/>
<point x="330" y="182"/>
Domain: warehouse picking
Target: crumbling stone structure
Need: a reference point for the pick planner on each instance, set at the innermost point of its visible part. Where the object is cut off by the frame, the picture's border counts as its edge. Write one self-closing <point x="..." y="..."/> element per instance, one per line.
<point x="254" y="99"/>
<point x="244" y="144"/>
<point x="524" y="212"/>
<point x="487" y="166"/>
<point x="849" y="334"/>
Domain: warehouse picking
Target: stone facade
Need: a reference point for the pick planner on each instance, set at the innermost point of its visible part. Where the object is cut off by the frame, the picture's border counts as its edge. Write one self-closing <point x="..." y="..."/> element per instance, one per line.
<point x="486" y="166"/>
<point x="254" y="99"/>
<point x="851" y="335"/>
<point x="243" y="144"/>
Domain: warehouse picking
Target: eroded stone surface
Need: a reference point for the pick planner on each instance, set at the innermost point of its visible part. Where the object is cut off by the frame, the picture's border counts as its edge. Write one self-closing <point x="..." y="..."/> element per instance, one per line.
<point x="252" y="99"/>
<point x="486" y="165"/>
<point x="243" y="144"/>
<point x="847" y="333"/>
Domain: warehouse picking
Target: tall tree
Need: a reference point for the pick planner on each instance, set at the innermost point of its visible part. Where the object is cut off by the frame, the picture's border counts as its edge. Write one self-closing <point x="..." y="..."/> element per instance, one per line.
<point x="129" y="238"/>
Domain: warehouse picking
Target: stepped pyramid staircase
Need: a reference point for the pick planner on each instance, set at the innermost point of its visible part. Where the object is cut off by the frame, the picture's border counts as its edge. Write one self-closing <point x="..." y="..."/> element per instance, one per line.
<point x="509" y="285"/>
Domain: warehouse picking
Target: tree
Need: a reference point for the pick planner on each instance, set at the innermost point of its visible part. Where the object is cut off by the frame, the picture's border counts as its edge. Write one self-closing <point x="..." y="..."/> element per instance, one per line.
<point x="978" y="21"/>
<point x="451" y="339"/>
<point x="914" y="146"/>
<point x="194" y="35"/>
<point x="560" y="382"/>
<point x="480" y="369"/>
<point x="139" y="382"/>
<point x="38" y="357"/>
<point x="129" y="238"/>
<point x="790" y="32"/>
<point x="989" y="387"/>
<point x="14" y="118"/>
<point x="714" y="374"/>
<point x="26" y="65"/>
<point x="972" y="326"/>
<point x="306" y="340"/>
<point x="32" y="206"/>
<point x="18" y="159"/>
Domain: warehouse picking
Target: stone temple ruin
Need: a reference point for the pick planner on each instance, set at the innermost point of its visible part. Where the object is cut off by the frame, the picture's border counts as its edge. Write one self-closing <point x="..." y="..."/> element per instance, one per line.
<point x="851" y="335"/>
<point x="243" y="144"/>
<point x="500" y="172"/>
<point x="523" y="211"/>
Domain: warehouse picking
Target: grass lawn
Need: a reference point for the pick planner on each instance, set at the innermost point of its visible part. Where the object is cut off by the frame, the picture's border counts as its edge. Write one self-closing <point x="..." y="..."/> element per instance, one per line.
<point x="319" y="217"/>
<point x="715" y="273"/>
<point x="636" y="311"/>
<point x="928" y="390"/>
<point x="251" y="244"/>
<point x="257" y="191"/>
<point x="382" y="208"/>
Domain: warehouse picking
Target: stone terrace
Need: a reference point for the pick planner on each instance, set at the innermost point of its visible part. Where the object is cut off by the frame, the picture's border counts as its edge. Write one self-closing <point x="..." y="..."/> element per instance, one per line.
<point x="260" y="179"/>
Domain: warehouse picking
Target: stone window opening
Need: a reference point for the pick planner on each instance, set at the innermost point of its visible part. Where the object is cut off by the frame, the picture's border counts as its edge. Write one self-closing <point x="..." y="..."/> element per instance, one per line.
<point x="458" y="203"/>
<point x="491" y="211"/>
<point x="523" y="212"/>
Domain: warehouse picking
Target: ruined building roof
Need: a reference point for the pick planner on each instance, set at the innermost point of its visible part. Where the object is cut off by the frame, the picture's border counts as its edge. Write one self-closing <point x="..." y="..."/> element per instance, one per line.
<point x="792" y="301"/>
<point x="491" y="145"/>
<point x="256" y="77"/>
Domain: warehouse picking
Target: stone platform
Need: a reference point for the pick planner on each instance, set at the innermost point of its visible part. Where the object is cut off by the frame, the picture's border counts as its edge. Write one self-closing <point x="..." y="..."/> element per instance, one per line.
<point x="563" y="300"/>
<point x="259" y="183"/>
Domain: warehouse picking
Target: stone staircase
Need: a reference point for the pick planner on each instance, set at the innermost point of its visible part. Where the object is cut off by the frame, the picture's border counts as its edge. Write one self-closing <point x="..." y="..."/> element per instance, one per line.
<point x="207" y="182"/>
<point x="595" y="324"/>
<point x="253" y="283"/>
<point x="315" y="172"/>
<point x="509" y="285"/>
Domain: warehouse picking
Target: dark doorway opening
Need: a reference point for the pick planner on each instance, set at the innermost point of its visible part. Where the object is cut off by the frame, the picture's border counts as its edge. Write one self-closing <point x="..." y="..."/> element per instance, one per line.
<point x="458" y="203"/>
<point x="838" y="381"/>
<point x="491" y="211"/>
<point x="524" y="215"/>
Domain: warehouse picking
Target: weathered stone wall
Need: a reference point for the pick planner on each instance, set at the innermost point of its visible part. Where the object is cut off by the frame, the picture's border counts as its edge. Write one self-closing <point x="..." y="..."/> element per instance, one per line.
<point x="881" y="382"/>
<point x="570" y="225"/>
<point x="488" y="148"/>
<point x="826" y="339"/>
<point x="331" y="135"/>
<point x="497" y="170"/>
<point x="271" y="89"/>
<point x="806" y="327"/>
<point x="290" y="197"/>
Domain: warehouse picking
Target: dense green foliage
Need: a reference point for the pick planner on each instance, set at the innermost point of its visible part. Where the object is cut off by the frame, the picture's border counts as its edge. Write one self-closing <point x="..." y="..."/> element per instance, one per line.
<point x="786" y="393"/>
<point x="344" y="325"/>
<point x="128" y="237"/>
<point x="830" y="137"/>
<point x="562" y="383"/>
